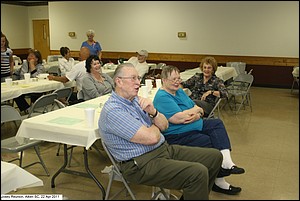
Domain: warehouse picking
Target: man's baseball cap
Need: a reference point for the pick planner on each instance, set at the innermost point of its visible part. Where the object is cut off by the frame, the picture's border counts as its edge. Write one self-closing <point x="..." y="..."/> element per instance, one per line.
<point x="143" y="53"/>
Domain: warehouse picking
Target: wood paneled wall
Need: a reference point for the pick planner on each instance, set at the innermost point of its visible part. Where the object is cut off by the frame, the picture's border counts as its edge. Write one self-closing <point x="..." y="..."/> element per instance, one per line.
<point x="267" y="71"/>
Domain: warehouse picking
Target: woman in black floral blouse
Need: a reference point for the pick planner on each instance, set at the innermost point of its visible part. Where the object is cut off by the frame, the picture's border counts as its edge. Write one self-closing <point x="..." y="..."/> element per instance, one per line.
<point x="206" y="86"/>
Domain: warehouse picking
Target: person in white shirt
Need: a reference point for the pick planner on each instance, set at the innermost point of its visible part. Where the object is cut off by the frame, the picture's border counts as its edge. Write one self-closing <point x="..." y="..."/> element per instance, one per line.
<point x="67" y="62"/>
<point x="77" y="72"/>
<point x="140" y="63"/>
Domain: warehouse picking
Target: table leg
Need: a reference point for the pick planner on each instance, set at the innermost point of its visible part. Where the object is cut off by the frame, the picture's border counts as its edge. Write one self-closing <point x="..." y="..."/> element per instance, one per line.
<point x="92" y="175"/>
<point x="89" y="173"/>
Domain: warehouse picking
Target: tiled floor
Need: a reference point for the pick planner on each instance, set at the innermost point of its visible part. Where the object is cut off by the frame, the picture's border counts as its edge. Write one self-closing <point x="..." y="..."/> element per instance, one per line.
<point x="264" y="142"/>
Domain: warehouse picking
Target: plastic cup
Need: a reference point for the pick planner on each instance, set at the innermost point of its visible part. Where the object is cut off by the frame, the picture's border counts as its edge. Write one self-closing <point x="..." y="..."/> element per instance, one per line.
<point x="144" y="91"/>
<point x="158" y="83"/>
<point x="8" y="82"/>
<point x="27" y="77"/>
<point x="148" y="83"/>
<point x="89" y="117"/>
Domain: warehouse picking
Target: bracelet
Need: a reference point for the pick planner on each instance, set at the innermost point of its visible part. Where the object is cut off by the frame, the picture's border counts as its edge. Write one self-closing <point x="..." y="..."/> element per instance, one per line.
<point x="153" y="116"/>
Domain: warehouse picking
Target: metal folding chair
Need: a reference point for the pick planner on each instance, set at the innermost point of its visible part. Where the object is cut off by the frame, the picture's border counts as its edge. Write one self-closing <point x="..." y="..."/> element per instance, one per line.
<point x="240" y="87"/>
<point x="116" y="175"/>
<point x="216" y="107"/>
<point x="65" y="94"/>
<point x="11" y="145"/>
<point x="55" y="70"/>
<point x="43" y="104"/>
<point x="295" y="74"/>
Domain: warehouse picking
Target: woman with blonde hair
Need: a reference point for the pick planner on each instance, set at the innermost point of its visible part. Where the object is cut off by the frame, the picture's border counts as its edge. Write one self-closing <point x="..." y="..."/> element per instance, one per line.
<point x="206" y="87"/>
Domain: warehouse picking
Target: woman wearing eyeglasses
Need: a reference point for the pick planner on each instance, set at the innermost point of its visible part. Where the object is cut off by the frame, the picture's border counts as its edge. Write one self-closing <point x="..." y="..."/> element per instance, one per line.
<point x="95" y="83"/>
<point x="187" y="127"/>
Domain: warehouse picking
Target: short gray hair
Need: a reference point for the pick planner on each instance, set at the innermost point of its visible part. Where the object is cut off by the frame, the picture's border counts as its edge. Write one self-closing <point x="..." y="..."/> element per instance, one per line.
<point x="90" y="32"/>
<point x="168" y="70"/>
<point x="119" y="70"/>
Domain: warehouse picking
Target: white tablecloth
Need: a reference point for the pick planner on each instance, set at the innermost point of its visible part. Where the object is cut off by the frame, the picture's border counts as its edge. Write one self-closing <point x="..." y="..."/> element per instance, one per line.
<point x="14" y="177"/>
<point x="224" y="73"/>
<point x="109" y="72"/>
<point x="66" y="125"/>
<point x="42" y="85"/>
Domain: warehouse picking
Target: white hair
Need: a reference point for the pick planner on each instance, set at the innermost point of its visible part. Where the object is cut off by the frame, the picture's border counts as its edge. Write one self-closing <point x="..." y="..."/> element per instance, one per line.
<point x="90" y="32"/>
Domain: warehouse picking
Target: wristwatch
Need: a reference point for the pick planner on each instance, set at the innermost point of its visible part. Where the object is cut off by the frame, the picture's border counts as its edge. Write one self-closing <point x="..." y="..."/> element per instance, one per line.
<point x="212" y="92"/>
<point x="153" y="116"/>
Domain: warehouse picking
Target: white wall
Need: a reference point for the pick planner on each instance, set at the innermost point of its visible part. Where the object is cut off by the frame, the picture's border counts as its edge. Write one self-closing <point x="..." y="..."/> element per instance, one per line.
<point x="250" y="28"/>
<point x="14" y="24"/>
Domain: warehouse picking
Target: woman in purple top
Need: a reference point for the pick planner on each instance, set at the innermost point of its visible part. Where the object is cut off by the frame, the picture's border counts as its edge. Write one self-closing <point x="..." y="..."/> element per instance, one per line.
<point x="94" y="46"/>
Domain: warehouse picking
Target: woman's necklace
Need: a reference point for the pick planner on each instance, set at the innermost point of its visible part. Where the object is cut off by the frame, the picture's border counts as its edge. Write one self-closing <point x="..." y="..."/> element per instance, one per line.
<point x="99" y="78"/>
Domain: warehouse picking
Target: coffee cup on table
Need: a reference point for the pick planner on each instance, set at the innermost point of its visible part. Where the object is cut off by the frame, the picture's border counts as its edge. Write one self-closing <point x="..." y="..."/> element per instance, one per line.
<point x="27" y="77"/>
<point x="8" y="82"/>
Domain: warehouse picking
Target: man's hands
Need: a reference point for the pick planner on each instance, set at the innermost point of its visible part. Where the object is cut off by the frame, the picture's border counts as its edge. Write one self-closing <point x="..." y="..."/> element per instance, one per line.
<point x="147" y="105"/>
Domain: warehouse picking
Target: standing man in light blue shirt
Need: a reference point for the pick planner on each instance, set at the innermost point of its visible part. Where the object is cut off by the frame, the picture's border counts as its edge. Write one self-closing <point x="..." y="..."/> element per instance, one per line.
<point x="131" y="128"/>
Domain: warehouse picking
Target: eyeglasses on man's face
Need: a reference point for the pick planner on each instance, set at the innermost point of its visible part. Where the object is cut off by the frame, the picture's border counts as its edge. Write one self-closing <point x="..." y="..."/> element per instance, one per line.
<point x="133" y="78"/>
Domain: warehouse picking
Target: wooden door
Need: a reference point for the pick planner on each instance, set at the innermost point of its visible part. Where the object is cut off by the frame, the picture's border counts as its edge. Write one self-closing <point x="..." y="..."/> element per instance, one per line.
<point x="41" y="37"/>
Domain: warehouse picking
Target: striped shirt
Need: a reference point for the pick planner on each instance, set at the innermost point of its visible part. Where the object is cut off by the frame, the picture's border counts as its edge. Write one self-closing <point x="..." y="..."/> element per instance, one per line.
<point x="119" y="121"/>
<point x="5" y="63"/>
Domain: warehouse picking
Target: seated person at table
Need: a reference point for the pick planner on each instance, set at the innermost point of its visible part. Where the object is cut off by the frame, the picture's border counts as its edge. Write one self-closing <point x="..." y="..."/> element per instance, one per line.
<point x="131" y="128"/>
<point x="95" y="83"/>
<point x="140" y="62"/>
<point x="186" y="127"/>
<point x="34" y="66"/>
<point x="206" y="86"/>
<point x="66" y="63"/>
<point x="77" y="73"/>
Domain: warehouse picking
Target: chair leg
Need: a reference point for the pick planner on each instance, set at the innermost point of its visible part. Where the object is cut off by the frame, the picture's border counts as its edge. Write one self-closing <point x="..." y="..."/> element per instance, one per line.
<point x="112" y="177"/>
<point x="109" y="185"/>
<point x="128" y="188"/>
<point x="292" y="86"/>
<point x="242" y="103"/>
<point x="21" y="159"/>
<point x="41" y="160"/>
<point x="58" y="149"/>
<point x="70" y="157"/>
<point x="250" y="104"/>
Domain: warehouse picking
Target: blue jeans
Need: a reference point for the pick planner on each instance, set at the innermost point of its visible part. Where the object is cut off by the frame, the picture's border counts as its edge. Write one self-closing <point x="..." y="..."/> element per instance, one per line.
<point x="213" y="135"/>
